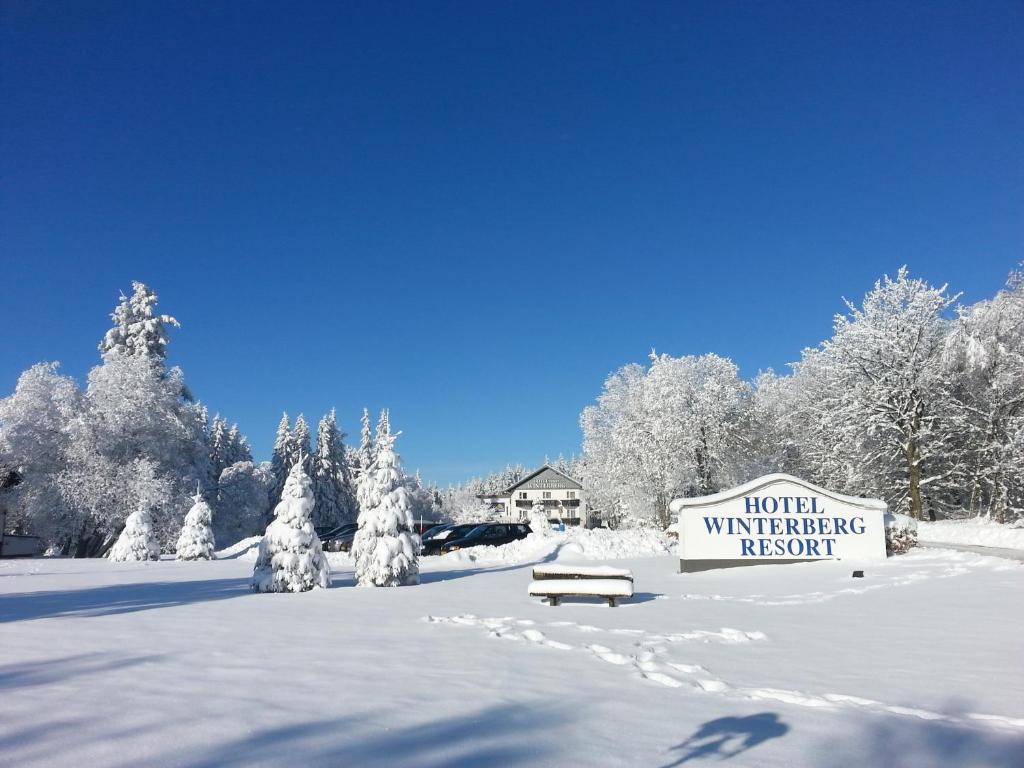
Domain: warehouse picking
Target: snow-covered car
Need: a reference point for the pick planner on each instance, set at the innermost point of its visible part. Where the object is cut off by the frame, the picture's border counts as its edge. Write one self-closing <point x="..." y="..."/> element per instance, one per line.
<point x="488" y="535"/>
<point x="433" y="540"/>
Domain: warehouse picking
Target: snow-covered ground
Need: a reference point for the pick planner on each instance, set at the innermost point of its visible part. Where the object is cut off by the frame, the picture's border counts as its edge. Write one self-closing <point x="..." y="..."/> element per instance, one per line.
<point x="978" y="531"/>
<point x="178" y="663"/>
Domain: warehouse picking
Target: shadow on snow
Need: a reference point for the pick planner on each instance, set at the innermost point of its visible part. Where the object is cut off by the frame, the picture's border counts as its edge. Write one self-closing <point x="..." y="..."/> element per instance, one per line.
<point x="727" y="737"/>
<point x="117" y="598"/>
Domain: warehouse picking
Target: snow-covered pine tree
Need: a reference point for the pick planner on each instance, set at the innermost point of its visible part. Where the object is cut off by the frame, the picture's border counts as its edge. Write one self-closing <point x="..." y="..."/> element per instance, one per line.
<point x="137" y="541"/>
<point x="220" y="447"/>
<point x="300" y="446"/>
<point x="138" y="330"/>
<point x="383" y="428"/>
<point x="290" y="557"/>
<point x="195" y="542"/>
<point x="332" y="484"/>
<point x="385" y="548"/>
<point x="238" y="446"/>
<point x="365" y="442"/>
<point x="279" y="465"/>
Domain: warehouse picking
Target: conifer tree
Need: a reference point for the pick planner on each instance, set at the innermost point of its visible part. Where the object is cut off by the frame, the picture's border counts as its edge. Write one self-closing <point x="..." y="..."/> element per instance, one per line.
<point x="196" y="539"/>
<point x="220" y="445"/>
<point x="332" y="483"/>
<point x="385" y="548"/>
<point x="137" y="541"/>
<point x="290" y="557"/>
<point x="279" y="465"/>
<point x="138" y="330"/>
<point x="300" y="445"/>
<point x="366" y="449"/>
<point x="383" y="428"/>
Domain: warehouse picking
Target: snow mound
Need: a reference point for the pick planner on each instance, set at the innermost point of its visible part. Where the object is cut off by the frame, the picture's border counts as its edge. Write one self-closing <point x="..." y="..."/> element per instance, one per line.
<point x="573" y="544"/>
<point x="978" y="531"/>
<point x="244" y="549"/>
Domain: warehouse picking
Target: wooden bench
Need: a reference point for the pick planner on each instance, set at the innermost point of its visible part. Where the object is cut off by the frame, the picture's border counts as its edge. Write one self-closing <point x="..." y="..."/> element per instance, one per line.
<point x="557" y="581"/>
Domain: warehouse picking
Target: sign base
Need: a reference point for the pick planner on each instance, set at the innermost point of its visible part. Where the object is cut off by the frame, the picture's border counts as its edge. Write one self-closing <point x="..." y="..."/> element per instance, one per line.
<point x="696" y="566"/>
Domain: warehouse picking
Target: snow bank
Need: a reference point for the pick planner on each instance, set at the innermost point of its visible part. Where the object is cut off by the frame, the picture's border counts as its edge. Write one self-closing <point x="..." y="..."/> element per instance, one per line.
<point x="979" y="531"/>
<point x="245" y="549"/>
<point x="572" y="544"/>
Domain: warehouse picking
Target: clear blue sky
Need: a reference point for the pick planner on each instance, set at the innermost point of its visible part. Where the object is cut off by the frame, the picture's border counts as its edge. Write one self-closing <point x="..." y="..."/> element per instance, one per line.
<point x="473" y="212"/>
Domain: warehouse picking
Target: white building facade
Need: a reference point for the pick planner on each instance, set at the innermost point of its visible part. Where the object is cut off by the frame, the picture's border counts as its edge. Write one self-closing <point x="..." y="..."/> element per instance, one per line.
<point x="561" y="496"/>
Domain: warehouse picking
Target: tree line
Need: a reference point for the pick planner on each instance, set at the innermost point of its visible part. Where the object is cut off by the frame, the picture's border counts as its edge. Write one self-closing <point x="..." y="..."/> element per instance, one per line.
<point x="135" y="437"/>
<point x="914" y="399"/>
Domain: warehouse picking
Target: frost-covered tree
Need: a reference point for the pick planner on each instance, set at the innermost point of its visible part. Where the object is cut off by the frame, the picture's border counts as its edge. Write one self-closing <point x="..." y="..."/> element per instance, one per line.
<point x="301" y="441"/>
<point x="196" y="542"/>
<point x="365" y="442"/>
<point x="134" y="410"/>
<point x="242" y="507"/>
<point x="238" y="447"/>
<point x="220" y="445"/>
<point x="985" y="355"/>
<point x="674" y="428"/>
<point x="35" y="440"/>
<point x="383" y="428"/>
<point x="290" y="557"/>
<point x="280" y="458"/>
<point x="876" y="403"/>
<point x="332" y="483"/>
<point x="385" y="548"/>
<point x="138" y="330"/>
<point x="138" y="540"/>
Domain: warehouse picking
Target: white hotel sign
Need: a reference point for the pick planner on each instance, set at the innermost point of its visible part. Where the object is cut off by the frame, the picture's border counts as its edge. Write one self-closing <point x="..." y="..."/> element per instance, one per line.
<point x="777" y="518"/>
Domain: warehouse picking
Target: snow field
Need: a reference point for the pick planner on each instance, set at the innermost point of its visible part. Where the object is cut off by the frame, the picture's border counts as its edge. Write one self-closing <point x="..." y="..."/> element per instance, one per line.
<point x="978" y="531"/>
<point x="170" y="661"/>
<point x="571" y="544"/>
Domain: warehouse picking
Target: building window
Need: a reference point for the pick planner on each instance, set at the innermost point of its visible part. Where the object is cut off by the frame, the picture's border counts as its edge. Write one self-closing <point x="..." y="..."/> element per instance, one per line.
<point x="547" y="494"/>
<point x="522" y="494"/>
<point x="571" y="495"/>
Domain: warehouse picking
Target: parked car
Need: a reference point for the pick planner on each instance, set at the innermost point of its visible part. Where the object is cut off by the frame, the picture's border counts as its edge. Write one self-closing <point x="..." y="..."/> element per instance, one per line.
<point x="432" y="541"/>
<point x="488" y="535"/>
<point x="422" y="527"/>
<point x="340" y="538"/>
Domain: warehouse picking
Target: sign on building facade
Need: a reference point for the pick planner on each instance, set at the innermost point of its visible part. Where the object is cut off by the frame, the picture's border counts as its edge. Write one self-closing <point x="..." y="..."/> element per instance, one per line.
<point x="778" y="519"/>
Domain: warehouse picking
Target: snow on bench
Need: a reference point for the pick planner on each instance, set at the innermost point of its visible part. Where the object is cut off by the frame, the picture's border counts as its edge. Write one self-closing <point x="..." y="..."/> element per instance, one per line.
<point x="557" y="581"/>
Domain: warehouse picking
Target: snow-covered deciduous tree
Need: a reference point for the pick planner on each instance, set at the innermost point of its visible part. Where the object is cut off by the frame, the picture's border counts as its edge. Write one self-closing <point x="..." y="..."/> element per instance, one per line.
<point x="196" y="542"/>
<point x="332" y="483"/>
<point x="134" y="411"/>
<point x="34" y="440"/>
<point x="243" y="502"/>
<point x="875" y="401"/>
<point x="138" y="330"/>
<point x="675" y="428"/>
<point x="290" y="557"/>
<point x="138" y="540"/>
<point x="385" y="548"/>
<point x="985" y="354"/>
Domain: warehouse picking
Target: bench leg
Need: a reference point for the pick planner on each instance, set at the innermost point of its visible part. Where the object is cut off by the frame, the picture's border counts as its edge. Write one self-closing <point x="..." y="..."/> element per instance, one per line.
<point x="552" y="600"/>
<point x="611" y="602"/>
